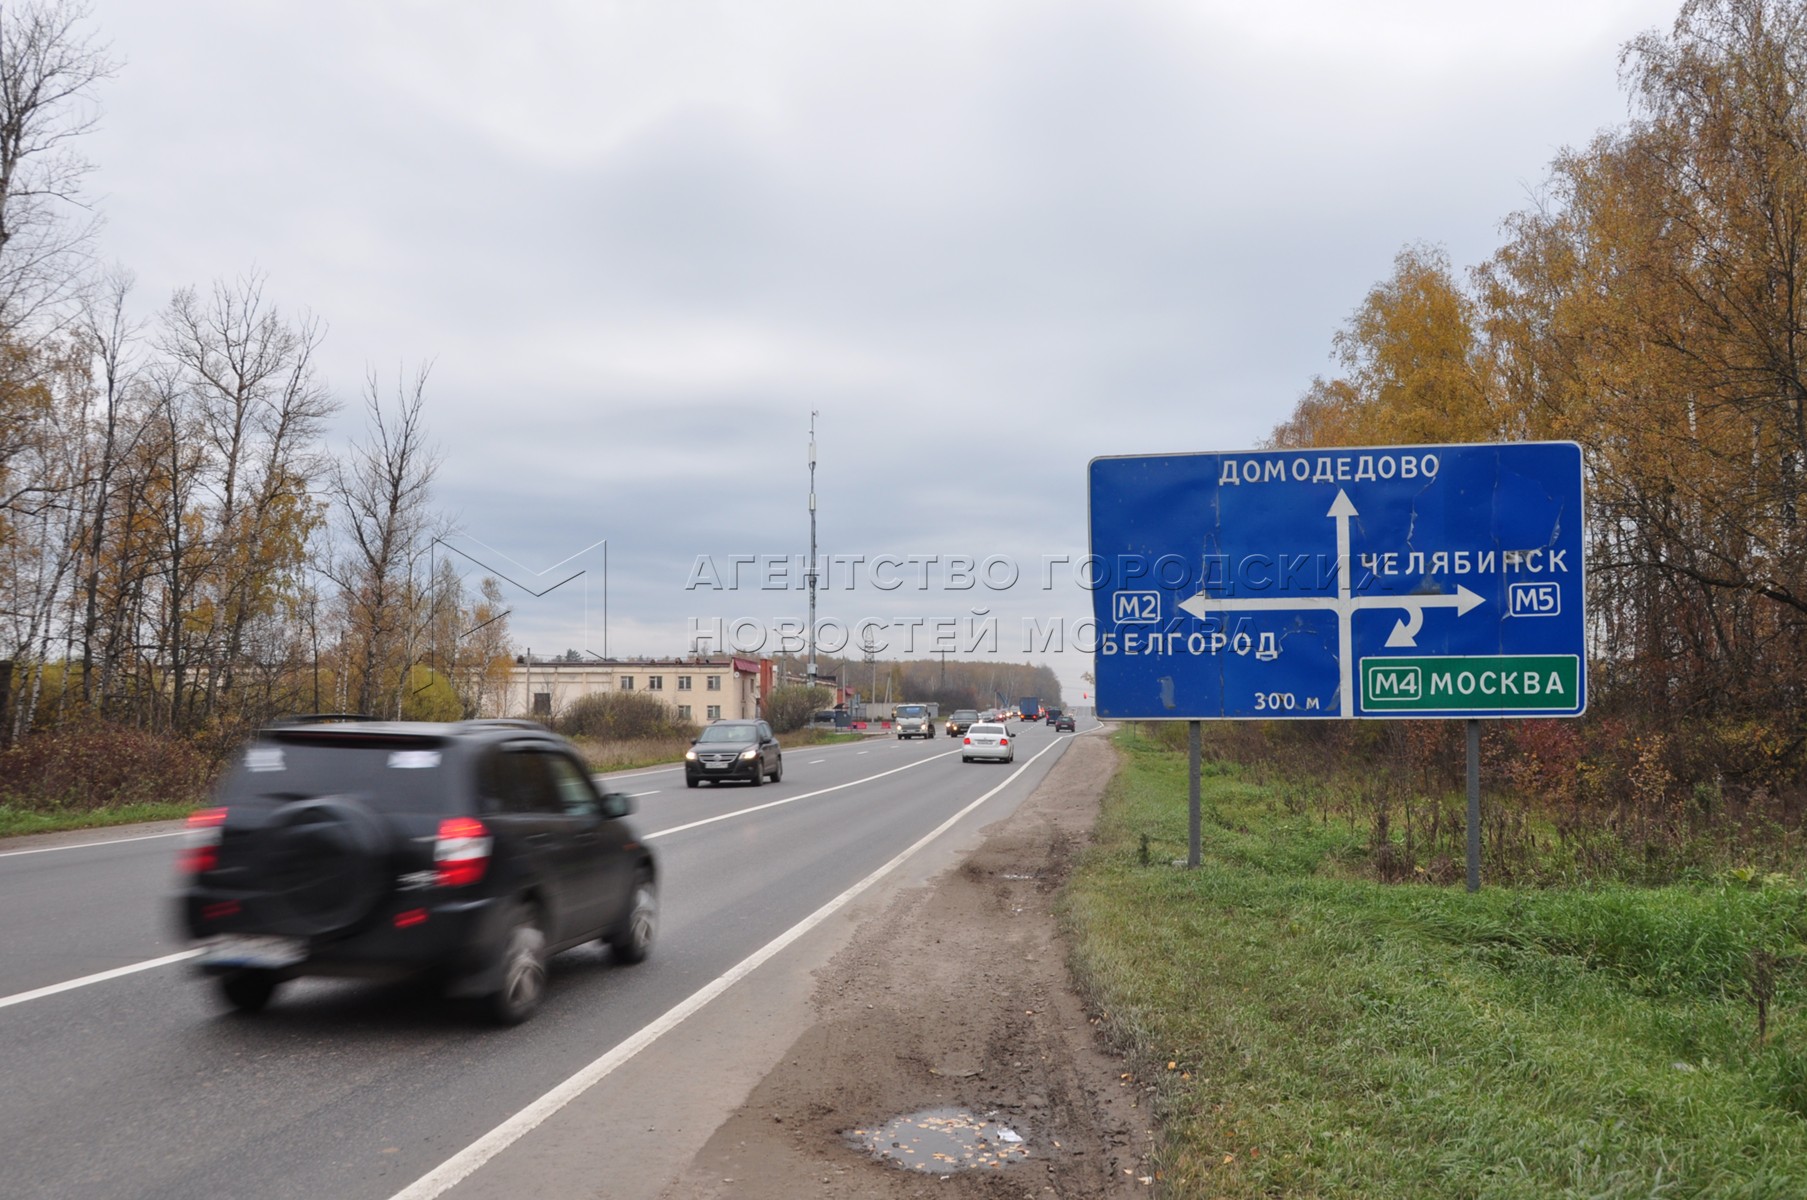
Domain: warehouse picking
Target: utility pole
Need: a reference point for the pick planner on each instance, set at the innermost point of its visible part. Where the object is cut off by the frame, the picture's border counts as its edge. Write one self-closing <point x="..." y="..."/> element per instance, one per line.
<point x="869" y="645"/>
<point x="810" y="575"/>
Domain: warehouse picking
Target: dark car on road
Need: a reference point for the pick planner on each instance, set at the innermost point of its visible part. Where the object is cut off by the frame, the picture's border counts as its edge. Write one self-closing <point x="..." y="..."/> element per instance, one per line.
<point x="465" y="853"/>
<point x="1063" y="723"/>
<point x="744" y="750"/>
<point x="962" y="719"/>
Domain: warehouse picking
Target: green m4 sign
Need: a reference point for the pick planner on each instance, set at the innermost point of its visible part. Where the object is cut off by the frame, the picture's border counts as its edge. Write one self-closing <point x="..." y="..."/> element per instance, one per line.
<point x="1478" y="683"/>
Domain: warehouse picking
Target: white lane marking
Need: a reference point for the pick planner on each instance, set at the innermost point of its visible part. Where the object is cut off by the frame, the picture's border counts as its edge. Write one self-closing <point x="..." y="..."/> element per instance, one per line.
<point x="812" y="762"/>
<point x="636" y="774"/>
<point x="97" y="977"/>
<point x="462" y="1165"/>
<point x="741" y="812"/>
<point x="654" y="792"/>
<point x="865" y="752"/>
<point x="85" y="845"/>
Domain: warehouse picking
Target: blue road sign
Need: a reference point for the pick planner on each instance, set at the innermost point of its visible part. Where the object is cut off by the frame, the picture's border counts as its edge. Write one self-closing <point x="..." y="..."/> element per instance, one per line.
<point x="1377" y="582"/>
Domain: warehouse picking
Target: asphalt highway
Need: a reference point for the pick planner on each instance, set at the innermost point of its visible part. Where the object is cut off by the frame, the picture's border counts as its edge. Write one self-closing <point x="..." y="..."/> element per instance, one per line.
<point x="124" y="1077"/>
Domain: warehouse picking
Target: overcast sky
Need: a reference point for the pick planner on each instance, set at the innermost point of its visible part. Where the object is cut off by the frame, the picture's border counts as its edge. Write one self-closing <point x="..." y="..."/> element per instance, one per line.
<point x="986" y="239"/>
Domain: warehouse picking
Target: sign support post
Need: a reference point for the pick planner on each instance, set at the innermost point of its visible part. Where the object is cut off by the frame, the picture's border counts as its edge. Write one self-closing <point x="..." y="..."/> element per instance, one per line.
<point x="1474" y="805"/>
<point x="1194" y="848"/>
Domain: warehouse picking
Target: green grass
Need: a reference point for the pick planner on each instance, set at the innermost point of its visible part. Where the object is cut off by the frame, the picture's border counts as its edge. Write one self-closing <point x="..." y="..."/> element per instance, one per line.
<point x="819" y="737"/>
<point x="15" y="821"/>
<point x="1334" y="1037"/>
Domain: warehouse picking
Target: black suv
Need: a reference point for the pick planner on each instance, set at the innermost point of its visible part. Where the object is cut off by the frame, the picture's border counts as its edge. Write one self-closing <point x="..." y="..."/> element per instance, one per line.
<point x="468" y="853"/>
<point x="734" y="750"/>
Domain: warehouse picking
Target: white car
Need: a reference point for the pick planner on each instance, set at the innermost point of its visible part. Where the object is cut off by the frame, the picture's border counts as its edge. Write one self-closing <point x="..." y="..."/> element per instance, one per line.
<point x="987" y="741"/>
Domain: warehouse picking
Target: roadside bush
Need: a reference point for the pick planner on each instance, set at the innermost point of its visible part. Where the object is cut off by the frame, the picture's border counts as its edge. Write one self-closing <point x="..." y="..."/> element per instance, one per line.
<point x="429" y="696"/>
<point x="96" y="765"/>
<point x="788" y="708"/>
<point x="622" y="716"/>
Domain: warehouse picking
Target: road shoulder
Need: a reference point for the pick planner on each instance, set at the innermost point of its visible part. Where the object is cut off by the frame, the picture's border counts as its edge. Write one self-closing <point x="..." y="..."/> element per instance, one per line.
<point x="90" y="835"/>
<point x="956" y="995"/>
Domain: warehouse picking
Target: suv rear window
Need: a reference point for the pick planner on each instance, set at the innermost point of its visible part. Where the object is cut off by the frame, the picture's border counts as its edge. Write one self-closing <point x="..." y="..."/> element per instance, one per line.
<point x="387" y="772"/>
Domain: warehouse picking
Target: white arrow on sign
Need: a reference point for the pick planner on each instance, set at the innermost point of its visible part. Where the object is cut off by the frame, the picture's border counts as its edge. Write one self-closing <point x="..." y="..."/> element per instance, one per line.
<point x="1341" y="509"/>
<point x="1406" y="632"/>
<point x="1344" y="604"/>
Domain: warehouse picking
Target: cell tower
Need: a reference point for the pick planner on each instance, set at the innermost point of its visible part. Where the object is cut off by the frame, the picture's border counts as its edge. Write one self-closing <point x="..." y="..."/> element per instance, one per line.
<point x="810" y="573"/>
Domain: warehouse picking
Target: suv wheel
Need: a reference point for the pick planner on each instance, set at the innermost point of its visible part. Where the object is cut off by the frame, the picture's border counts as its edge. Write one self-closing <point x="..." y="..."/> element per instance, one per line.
<point x="249" y="990"/>
<point x="523" y="969"/>
<point x="632" y="938"/>
<point x="778" y="771"/>
<point x="323" y="864"/>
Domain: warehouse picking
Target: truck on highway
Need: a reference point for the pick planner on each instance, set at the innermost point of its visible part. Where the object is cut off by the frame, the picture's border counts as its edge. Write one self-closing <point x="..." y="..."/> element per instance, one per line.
<point x="915" y="720"/>
<point x="1030" y="707"/>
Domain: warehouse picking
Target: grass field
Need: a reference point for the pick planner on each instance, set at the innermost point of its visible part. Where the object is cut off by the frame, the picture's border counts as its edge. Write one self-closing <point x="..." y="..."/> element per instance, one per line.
<point x="15" y="821"/>
<point x="1307" y="1032"/>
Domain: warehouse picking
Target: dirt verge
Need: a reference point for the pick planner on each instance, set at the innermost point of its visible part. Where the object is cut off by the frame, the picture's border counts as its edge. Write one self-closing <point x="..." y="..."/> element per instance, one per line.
<point x="957" y="996"/>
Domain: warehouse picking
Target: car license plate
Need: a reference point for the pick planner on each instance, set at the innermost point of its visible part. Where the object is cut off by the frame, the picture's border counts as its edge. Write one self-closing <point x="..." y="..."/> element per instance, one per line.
<point x="243" y="950"/>
<point x="709" y="766"/>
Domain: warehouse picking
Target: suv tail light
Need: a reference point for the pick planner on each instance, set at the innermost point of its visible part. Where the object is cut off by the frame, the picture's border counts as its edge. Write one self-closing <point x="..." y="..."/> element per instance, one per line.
<point x="201" y="842"/>
<point x="461" y="854"/>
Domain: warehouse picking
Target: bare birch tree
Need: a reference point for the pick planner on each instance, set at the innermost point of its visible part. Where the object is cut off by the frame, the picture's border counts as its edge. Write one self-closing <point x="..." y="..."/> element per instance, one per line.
<point x="109" y="334"/>
<point x="249" y="377"/>
<point x="381" y="490"/>
<point x="49" y="65"/>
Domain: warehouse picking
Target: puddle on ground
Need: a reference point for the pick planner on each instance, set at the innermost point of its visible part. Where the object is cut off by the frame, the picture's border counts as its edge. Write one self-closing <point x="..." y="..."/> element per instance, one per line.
<point x="941" y="1141"/>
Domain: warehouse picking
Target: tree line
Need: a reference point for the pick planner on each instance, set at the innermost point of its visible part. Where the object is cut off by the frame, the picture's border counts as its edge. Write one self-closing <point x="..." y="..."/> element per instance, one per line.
<point x="1651" y="305"/>
<point x="179" y="550"/>
<point x="951" y="683"/>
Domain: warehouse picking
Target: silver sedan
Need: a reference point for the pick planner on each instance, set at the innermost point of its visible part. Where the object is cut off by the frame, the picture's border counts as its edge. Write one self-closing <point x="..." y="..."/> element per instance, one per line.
<point x="987" y="741"/>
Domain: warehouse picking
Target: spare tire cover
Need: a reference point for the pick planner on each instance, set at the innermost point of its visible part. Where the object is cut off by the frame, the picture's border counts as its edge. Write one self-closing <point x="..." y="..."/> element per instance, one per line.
<point x="323" y="866"/>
